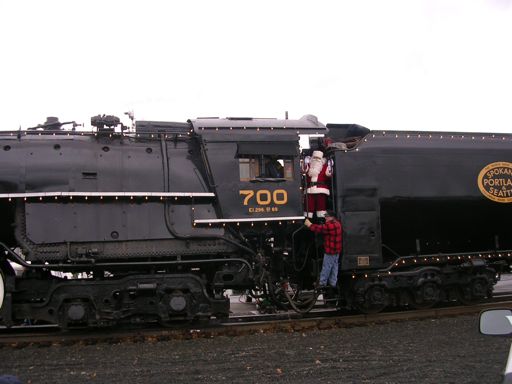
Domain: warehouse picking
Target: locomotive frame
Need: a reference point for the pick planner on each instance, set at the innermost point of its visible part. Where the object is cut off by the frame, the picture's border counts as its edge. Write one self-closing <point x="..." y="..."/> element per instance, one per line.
<point x="157" y="223"/>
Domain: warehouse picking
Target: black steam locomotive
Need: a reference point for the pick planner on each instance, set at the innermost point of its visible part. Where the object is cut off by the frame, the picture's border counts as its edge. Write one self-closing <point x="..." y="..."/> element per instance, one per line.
<point x="156" y="222"/>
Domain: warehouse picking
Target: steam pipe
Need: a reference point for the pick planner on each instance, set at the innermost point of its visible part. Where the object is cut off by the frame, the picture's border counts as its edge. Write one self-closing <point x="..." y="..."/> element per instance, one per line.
<point x="12" y="256"/>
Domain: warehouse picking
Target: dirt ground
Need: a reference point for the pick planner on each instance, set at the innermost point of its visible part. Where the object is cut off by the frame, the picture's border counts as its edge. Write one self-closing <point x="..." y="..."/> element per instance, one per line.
<point x="448" y="350"/>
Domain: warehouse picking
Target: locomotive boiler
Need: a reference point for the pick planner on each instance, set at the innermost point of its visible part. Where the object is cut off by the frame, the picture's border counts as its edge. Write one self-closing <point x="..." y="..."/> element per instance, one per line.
<point x="156" y="222"/>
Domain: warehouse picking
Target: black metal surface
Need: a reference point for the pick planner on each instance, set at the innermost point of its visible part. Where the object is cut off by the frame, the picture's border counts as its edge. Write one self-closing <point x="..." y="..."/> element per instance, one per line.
<point x="174" y="199"/>
<point x="420" y="190"/>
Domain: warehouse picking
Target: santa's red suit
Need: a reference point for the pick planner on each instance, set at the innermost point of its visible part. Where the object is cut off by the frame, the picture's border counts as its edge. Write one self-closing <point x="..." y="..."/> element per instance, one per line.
<point x="318" y="172"/>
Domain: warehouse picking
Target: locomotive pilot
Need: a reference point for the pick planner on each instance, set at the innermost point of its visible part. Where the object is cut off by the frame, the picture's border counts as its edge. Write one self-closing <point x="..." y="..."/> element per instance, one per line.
<point x="318" y="173"/>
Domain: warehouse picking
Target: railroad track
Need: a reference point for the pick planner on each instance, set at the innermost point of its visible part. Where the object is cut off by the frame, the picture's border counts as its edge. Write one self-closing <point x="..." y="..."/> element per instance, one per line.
<point x="500" y="296"/>
<point x="319" y="318"/>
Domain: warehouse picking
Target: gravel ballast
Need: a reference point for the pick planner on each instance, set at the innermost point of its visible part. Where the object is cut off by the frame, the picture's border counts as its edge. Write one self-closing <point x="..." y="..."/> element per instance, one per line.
<point x="447" y="350"/>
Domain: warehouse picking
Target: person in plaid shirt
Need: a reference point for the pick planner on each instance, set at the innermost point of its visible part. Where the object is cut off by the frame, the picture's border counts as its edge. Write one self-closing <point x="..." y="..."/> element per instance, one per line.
<point x="332" y="247"/>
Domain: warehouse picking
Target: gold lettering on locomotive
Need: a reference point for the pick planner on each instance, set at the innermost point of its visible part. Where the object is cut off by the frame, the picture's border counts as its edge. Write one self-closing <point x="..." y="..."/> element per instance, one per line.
<point x="495" y="181"/>
<point x="248" y="194"/>
<point x="264" y="199"/>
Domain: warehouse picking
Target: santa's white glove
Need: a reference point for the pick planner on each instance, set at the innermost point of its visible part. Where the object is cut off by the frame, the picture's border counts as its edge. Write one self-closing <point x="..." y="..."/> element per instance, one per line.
<point x="330" y="165"/>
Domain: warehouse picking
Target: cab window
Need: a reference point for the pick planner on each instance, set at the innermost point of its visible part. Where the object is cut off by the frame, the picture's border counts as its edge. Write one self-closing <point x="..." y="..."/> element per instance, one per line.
<point x="265" y="167"/>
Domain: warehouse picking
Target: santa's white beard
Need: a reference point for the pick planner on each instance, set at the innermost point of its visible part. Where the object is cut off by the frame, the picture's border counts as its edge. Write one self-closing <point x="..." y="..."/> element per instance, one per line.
<point x="315" y="167"/>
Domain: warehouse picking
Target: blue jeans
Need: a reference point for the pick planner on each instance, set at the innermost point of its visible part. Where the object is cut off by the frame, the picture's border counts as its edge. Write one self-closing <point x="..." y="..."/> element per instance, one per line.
<point x="329" y="270"/>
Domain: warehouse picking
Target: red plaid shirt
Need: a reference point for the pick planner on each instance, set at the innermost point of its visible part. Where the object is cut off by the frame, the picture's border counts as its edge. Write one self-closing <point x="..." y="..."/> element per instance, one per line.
<point x="332" y="236"/>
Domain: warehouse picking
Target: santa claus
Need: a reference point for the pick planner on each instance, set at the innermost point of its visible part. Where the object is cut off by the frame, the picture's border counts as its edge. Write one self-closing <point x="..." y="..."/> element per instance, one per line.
<point x="318" y="172"/>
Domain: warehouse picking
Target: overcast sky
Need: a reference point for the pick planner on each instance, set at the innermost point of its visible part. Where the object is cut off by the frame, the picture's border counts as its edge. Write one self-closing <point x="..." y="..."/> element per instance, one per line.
<point x="394" y="64"/>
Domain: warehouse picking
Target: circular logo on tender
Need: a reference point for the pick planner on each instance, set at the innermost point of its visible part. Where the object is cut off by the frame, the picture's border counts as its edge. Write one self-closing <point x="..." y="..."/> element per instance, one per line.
<point x="495" y="182"/>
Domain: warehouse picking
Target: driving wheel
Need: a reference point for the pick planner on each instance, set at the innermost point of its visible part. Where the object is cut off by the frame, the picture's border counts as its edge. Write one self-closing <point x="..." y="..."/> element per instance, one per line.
<point x="475" y="291"/>
<point x="426" y="295"/>
<point x="376" y="298"/>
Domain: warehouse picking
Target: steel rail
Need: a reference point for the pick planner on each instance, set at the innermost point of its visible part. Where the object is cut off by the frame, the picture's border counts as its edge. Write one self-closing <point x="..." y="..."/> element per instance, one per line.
<point x="19" y="337"/>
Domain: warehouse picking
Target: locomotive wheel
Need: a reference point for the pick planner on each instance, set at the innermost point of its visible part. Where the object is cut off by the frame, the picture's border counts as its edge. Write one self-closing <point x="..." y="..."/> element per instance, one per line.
<point x="426" y="296"/>
<point x="474" y="292"/>
<point x="376" y="298"/>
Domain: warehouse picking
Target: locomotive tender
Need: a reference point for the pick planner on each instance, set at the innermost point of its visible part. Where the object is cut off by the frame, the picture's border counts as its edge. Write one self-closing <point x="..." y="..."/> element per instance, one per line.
<point x="155" y="223"/>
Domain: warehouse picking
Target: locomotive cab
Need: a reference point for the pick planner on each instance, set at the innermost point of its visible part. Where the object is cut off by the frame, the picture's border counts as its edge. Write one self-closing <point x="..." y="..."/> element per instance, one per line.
<point x="254" y="168"/>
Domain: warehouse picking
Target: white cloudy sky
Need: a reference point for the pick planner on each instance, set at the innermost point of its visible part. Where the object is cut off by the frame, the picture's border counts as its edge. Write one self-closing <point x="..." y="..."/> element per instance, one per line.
<point x="394" y="64"/>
